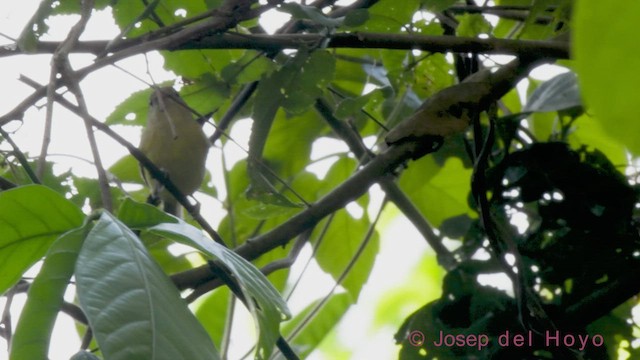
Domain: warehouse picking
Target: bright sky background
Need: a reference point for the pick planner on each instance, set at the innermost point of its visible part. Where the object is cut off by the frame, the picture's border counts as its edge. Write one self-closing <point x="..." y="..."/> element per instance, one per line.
<point x="402" y="247"/>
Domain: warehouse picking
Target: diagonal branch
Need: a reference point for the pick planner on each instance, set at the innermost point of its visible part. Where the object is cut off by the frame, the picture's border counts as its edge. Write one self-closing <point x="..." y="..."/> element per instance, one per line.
<point x="393" y="191"/>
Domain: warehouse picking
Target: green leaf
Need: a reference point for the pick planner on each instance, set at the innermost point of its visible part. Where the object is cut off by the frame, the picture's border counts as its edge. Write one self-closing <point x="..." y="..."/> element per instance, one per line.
<point x="538" y="9"/>
<point x="439" y="5"/>
<point x="309" y="12"/>
<point x="205" y="94"/>
<point x="45" y="296"/>
<point x="607" y="63"/>
<point x="589" y="131"/>
<point x="193" y="64"/>
<point x="356" y="17"/>
<point x="295" y="88"/>
<point x="133" y="308"/>
<point x="66" y="7"/>
<point x="212" y="4"/>
<point x="390" y="15"/>
<point x="132" y="111"/>
<point x="263" y="300"/>
<point x="137" y="215"/>
<point x="251" y="67"/>
<point x="353" y="106"/>
<point x="131" y="15"/>
<point x="281" y="144"/>
<point x="472" y="25"/>
<point x="36" y="27"/>
<point x="263" y="190"/>
<point x="349" y="75"/>
<point x="31" y="218"/>
<point x="270" y="94"/>
<point x="127" y="170"/>
<point x="341" y="243"/>
<point x="265" y="303"/>
<point x="309" y="82"/>
<point x="558" y="93"/>
<point x="439" y="193"/>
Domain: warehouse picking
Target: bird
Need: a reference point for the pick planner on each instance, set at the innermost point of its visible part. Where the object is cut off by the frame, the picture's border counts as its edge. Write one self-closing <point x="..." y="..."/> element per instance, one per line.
<point x="176" y="143"/>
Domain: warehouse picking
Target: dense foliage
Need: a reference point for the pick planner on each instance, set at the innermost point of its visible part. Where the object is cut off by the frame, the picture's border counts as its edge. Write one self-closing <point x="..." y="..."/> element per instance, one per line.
<point x="535" y="182"/>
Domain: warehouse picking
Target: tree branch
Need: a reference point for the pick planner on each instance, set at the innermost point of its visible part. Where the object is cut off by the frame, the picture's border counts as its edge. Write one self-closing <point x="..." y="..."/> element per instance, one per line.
<point x="363" y="40"/>
<point x="391" y="189"/>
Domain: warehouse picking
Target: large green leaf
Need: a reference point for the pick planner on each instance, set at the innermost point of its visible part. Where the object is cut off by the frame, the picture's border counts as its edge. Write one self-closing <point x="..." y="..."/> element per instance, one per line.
<point x="263" y="300"/>
<point x="33" y="332"/>
<point x="31" y="218"/>
<point x="133" y="308"/>
<point x="607" y="62"/>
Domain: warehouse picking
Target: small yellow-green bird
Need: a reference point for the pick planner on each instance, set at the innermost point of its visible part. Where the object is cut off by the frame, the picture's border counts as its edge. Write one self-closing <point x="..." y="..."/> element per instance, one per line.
<point x="175" y="142"/>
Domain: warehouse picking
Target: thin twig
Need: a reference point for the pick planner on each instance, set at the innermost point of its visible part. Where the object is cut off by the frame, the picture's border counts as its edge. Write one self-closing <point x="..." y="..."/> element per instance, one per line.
<point x="352" y="262"/>
<point x="288" y="261"/>
<point x="62" y="65"/>
<point x="48" y="122"/>
<point x="103" y="180"/>
<point x="238" y="103"/>
<point x="307" y="263"/>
